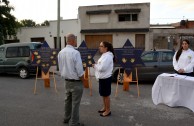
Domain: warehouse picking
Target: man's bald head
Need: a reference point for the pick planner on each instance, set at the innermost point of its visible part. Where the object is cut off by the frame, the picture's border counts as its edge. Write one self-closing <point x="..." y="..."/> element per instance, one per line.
<point x="70" y="37"/>
<point x="71" y="40"/>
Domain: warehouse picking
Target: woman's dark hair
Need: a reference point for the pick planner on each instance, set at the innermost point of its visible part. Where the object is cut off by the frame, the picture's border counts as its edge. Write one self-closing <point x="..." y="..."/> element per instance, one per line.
<point x="179" y="52"/>
<point x="109" y="48"/>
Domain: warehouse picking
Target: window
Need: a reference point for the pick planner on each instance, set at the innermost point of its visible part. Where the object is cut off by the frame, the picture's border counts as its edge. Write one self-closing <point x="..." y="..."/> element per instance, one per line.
<point x="150" y="57"/>
<point x="37" y="46"/>
<point x="134" y="17"/>
<point x="23" y="51"/>
<point x="18" y="52"/>
<point x="167" y="56"/>
<point x="124" y="17"/>
<point x="11" y="52"/>
<point x="40" y="39"/>
<point x="128" y="17"/>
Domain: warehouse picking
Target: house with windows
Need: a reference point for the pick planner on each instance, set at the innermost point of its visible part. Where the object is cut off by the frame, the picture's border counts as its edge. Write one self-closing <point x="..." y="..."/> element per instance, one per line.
<point x="114" y="23"/>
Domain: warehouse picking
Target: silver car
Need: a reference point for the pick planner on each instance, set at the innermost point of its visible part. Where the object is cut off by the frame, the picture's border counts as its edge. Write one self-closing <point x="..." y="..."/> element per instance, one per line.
<point x="156" y="62"/>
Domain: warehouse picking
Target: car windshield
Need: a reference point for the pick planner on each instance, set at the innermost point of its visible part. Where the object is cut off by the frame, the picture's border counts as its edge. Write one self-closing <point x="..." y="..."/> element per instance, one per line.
<point x="150" y="57"/>
<point x="37" y="46"/>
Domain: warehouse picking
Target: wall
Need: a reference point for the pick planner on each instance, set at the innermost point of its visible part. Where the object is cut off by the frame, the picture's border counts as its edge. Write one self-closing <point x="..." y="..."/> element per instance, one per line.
<point x="143" y="22"/>
<point x="171" y="38"/>
<point x="49" y="32"/>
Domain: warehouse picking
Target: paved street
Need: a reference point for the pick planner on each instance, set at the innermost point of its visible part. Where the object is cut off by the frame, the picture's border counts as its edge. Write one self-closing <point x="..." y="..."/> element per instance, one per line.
<point x="20" y="107"/>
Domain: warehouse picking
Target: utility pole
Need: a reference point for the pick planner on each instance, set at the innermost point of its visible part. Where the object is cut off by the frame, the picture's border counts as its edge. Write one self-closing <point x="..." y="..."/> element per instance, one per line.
<point x="58" y="24"/>
<point x="58" y="28"/>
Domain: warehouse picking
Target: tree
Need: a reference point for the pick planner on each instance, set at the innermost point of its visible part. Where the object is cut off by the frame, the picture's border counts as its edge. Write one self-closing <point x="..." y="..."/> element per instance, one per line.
<point x="28" y="23"/>
<point x="31" y="23"/>
<point x="8" y="24"/>
<point x="45" y="23"/>
<point x="19" y="24"/>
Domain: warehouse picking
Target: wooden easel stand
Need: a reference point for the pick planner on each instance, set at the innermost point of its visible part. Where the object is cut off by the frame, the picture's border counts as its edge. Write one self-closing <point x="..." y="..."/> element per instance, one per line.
<point x="46" y="78"/>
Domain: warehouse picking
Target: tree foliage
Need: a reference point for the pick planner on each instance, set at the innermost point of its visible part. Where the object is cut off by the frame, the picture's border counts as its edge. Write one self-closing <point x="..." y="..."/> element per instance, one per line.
<point x="8" y="23"/>
<point x="27" y="23"/>
<point x="31" y="23"/>
<point x="45" y="23"/>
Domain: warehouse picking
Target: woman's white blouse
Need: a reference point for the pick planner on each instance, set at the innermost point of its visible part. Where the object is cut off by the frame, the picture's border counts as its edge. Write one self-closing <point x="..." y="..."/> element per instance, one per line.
<point x="186" y="61"/>
<point x="104" y="66"/>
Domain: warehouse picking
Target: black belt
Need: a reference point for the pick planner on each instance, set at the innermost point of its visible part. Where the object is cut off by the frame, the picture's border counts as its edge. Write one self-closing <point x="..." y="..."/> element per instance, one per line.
<point x="72" y="80"/>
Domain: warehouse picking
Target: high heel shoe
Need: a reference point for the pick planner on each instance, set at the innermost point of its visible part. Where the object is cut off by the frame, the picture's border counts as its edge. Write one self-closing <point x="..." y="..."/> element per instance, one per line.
<point x="101" y="111"/>
<point x="106" y="114"/>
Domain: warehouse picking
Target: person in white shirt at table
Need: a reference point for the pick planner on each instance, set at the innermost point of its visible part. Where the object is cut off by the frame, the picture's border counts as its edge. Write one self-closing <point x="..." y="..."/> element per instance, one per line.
<point x="183" y="60"/>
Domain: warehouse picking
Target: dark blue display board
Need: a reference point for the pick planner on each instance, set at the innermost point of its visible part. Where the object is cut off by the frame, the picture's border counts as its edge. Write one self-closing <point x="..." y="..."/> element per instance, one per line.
<point x="128" y="57"/>
<point x="87" y="55"/>
<point x="45" y="57"/>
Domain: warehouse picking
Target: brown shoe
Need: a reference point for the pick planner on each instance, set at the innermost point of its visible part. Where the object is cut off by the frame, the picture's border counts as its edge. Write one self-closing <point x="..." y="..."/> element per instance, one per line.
<point x="106" y="114"/>
<point x="101" y="111"/>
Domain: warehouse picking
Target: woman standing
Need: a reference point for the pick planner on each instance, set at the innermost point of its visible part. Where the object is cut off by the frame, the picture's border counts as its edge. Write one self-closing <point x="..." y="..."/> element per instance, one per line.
<point x="183" y="60"/>
<point x="103" y="70"/>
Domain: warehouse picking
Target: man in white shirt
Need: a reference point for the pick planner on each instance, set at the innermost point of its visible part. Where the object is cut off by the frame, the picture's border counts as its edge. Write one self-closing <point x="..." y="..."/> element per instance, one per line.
<point x="71" y="69"/>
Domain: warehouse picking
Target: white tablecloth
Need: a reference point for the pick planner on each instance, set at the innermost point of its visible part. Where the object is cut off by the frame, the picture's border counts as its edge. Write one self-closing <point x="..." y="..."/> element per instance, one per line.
<point x="174" y="90"/>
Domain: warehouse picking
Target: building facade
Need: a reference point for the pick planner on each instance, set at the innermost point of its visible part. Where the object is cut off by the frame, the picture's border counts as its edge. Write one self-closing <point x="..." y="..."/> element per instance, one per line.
<point x="49" y="33"/>
<point x="170" y="36"/>
<point x="114" y="23"/>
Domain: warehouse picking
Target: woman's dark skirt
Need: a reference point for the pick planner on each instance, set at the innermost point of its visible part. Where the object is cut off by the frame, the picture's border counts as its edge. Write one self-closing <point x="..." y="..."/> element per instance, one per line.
<point x="186" y="74"/>
<point x="105" y="86"/>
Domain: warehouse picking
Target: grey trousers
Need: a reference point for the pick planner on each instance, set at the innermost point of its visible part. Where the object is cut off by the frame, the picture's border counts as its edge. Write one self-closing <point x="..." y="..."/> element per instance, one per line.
<point x="73" y="95"/>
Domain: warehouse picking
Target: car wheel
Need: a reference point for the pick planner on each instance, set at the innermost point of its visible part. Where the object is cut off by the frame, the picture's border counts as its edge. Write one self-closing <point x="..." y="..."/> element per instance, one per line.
<point x="120" y="78"/>
<point x="23" y="73"/>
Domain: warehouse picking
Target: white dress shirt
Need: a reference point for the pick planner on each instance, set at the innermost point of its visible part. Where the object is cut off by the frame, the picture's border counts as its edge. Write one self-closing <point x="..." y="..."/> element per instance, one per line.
<point x="186" y="61"/>
<point x="70" y="63"/>
<point x="104" y="66"/>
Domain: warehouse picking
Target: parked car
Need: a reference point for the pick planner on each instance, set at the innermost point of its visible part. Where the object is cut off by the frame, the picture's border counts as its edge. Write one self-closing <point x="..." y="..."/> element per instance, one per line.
<point x="17" y="58"/>
<point x="156" y="62"/>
